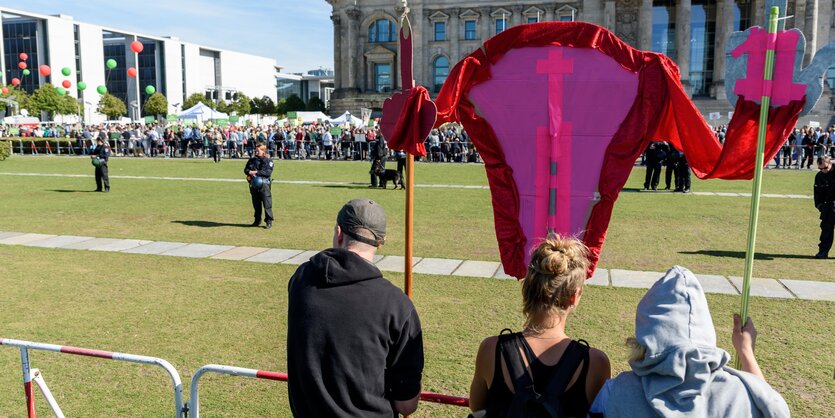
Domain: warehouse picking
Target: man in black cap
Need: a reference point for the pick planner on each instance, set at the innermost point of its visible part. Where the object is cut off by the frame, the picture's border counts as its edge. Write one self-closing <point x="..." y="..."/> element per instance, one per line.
<point x="354" y="340"/>
<point x="258" y="170"/>
<point x="825" y="203"/>
<point x="102" y="154"/>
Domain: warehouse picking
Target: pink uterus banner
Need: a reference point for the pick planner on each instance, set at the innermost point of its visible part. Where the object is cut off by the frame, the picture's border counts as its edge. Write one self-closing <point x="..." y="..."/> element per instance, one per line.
<point x="555" y="110"/>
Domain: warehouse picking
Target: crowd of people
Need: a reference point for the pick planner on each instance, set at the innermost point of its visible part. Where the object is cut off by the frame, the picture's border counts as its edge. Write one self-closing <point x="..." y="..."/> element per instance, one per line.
<point x="286" y="142"/>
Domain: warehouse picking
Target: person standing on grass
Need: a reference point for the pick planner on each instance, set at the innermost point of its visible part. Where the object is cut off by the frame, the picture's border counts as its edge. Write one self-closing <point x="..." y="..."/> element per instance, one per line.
<point x="551" y="292"/>
<point x="677" y="369"/>
<point x="258" y="170"/>
<point x="102" y="154"/>
<point x="825" y="203"/>
<point x="354" y="340"/>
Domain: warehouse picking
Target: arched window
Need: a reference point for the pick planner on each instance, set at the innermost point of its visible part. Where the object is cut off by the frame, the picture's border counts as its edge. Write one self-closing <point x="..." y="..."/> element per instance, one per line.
<point x="382" y="30"/>
<point x="440" y="70"/>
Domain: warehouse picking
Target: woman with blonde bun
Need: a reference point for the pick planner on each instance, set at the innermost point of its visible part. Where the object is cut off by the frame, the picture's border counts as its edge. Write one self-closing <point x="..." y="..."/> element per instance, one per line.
<point x="551" y="292"/>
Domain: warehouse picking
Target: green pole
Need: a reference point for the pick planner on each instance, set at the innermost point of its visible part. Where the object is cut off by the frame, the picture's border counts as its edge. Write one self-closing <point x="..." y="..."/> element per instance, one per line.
<point x="762" y="127"/>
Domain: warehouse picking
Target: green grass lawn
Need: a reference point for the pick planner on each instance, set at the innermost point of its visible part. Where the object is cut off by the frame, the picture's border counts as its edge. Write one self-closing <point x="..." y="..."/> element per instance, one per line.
<point x="649" y="231"/>
<point x="194" y="312"/>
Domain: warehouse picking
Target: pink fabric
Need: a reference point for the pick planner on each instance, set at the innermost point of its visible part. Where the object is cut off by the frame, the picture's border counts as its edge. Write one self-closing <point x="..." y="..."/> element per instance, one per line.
<point x="582" y="112"/>
<point x="782" y="89"/>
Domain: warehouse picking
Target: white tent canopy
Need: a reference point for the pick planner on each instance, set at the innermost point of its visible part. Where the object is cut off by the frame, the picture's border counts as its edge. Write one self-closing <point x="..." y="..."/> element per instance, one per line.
<point x="202" y="112"/>
<point x="20" y="120"/>
<point x="310" y="117"/>
<point x="347" y="117"/>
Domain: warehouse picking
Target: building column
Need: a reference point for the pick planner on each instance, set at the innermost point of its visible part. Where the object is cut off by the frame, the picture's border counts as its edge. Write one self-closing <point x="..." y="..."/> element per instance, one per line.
<point x="811" y="31"/>
<point x="645" y="25"/>
<point x="549" y="13"/>
<point x="609" y="11"/>
<point x="724" y="28"/>
<point x="759" y="18"/>
<point x="486" y="22"/>
<point x="592" y="11"/>
<point x="454" y="33"/>
<point x="683" y="11"/>
<point x="516" y="16"/>
<point x="337" y="49"/>
<point x="353" y="48"/>
<point x="423" y="34"/>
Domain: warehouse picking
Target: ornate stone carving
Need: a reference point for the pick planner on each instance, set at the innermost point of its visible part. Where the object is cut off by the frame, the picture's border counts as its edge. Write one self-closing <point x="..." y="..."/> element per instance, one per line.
<point x="336" y="19"/>
<point x="353" y="13"/>
<point x="626" y="21"/>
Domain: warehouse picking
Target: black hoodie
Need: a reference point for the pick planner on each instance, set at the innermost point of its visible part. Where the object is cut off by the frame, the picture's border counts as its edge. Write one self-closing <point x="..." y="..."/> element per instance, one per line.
<point x="354" y="341"/>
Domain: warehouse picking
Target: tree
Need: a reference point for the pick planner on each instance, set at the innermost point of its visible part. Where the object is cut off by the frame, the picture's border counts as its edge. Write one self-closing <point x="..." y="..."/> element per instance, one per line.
<point x="112" y="106"/>
<point x="222" y="106"/>
<point x="263" y="106"/>
<point x="68" y="105"/>
<point x="241" y="106"/>
<point x="45" y="99"/>
<point x="157" y="105"/>
<point x="195" y="98"/>
<point x="20" y="96"/>
<point x="295" y="103"/>
<point x="315" y="104"/>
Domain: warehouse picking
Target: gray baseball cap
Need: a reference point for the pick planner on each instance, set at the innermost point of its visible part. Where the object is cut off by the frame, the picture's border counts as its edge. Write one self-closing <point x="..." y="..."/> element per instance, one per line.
<point x="363" y="214"/>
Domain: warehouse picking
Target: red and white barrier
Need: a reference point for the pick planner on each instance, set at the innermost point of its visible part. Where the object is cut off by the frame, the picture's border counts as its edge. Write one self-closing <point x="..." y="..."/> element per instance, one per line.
<point x="25" y="346"/>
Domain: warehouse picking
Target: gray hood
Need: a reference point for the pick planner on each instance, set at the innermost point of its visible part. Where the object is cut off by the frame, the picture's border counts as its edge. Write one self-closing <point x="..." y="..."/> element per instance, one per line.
<point x="673" y="322"/>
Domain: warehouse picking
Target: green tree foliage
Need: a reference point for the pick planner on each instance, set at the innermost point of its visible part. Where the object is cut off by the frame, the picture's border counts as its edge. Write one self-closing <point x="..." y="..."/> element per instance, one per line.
<point x="157" y="105"/>
<point x="45" y="99"/>
<point x="112" y="106"/>
<point x="295" y="103"/>
<point x="262" y="106"/>
<point x="195" y="98"/>
<point x="241" y="106"/>
<point x="316" y="104"/>
<point x="20" y="96"/>
<point x="68" y="105"/>
<point x="222" y="106"/>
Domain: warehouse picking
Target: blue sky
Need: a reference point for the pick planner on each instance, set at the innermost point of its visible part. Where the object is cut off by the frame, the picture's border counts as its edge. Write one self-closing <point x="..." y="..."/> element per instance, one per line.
<point x="297" y="33"/>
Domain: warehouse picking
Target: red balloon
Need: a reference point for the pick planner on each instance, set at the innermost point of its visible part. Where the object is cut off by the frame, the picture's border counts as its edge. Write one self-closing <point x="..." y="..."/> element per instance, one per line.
<point x="132" y="71"/>
<point x="136" y="46"/>
<point x="21" y="65"/>
<point x="45" y="70"/>
<point x="4" y="90"/>
<point x="15" y="81"/>
<point x="23" y="56"/>
<point x="66" y="84"/>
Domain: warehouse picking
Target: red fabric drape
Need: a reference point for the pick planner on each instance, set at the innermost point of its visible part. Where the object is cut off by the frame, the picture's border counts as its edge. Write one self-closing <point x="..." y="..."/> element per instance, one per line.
<point x="661" y="111"/>
<point x="407" y="135"/>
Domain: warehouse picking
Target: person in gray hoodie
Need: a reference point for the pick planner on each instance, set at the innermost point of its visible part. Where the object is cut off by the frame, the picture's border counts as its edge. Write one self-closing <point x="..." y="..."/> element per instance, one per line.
<point x="677" y="369"/>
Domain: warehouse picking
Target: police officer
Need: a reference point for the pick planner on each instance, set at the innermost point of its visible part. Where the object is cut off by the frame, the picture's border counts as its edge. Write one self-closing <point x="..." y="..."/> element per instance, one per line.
<point x="378" y="151"/>
<point x="825" y="203"/>
<point x="258" y="171"/>
<point x="102" y="153"/>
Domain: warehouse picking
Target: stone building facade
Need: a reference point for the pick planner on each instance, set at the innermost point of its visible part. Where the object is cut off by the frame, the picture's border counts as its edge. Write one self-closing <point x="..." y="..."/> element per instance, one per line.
<point x="366" y="51"/>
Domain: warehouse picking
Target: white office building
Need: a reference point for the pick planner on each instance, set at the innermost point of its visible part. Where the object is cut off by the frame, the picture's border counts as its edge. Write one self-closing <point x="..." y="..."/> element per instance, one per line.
<point x="175" y="68"/>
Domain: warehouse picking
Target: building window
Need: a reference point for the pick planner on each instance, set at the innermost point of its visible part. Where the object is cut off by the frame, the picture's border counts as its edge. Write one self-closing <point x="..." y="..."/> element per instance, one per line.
<point x="382" y="77"/>
<point x="533" y="19"/>
<point x="702" y="38"/>
<point x="469" y="30"/>
<point x="501" y="25"/>
<point x="440" y="31"/>
<point x="440" y="70"/>
<point x="742" y="15"/>
<point x="382" y="30"/>
<point x="566" y="14"/>
<point x="20" y="34"/>
<point x="830" y="77"/>
<point x="664" y="27"/>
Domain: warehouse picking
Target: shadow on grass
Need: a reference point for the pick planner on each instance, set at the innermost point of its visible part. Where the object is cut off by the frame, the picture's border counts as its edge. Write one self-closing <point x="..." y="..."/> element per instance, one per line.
<point x="741" y="255"/>
<point x="71" y="191"/>
<point x="210" y="224"/>
<point x="348" y="186"/>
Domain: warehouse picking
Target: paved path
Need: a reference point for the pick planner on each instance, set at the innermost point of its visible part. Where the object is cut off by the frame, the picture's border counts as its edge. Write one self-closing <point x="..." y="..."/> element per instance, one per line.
<point x="770" y="288"/>
<point x="429" y="186"/>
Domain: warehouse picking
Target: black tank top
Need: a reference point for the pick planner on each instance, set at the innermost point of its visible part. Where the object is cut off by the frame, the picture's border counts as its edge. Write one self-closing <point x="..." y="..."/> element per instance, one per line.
<point x="573" y="400"/>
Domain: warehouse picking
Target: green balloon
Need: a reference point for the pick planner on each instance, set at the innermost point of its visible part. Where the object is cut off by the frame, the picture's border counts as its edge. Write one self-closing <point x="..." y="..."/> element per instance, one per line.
<point x="81" y="85"/>
<point x="66" y="71"/>
<point x="150" y="90"/>
<point x="61" y="91"/>
<point x="26" y="72"/>
<point x="111" y="63"/>
<point x="101" y="89"/>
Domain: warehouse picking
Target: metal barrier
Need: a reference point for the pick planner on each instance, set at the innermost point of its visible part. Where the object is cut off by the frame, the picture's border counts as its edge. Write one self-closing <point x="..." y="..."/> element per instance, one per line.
<point x="25" y="346"/>
<point x="194" y="392"/>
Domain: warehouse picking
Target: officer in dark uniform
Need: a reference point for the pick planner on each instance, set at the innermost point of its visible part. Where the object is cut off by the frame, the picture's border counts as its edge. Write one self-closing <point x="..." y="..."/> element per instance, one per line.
<point x="377" y="150"/>
<point x="258" y="171"/>
<point x="102" y="153"/>
<point x="825" y="203"/>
